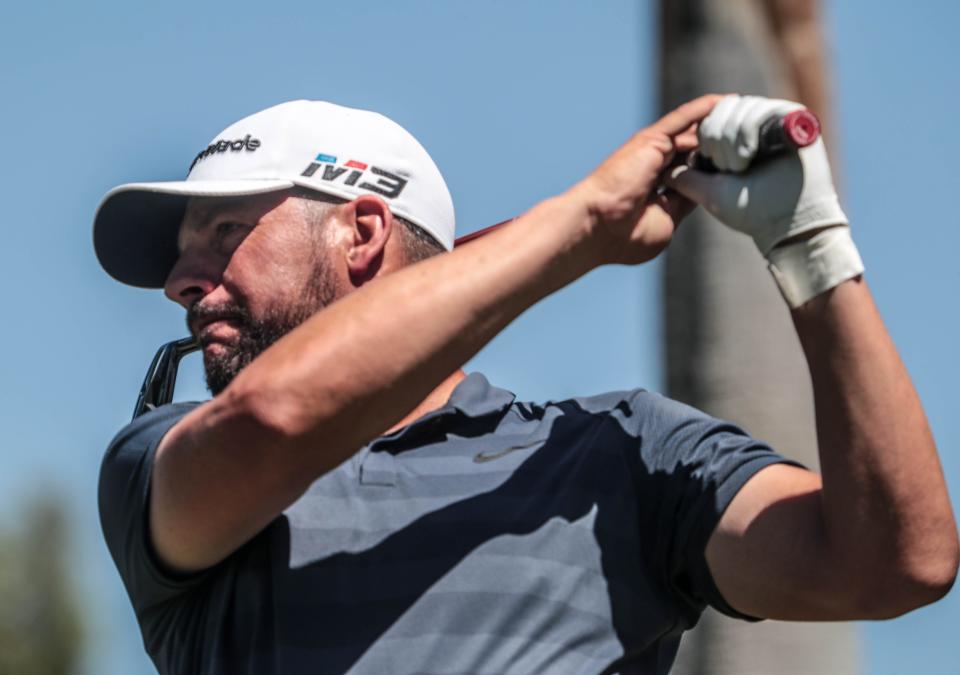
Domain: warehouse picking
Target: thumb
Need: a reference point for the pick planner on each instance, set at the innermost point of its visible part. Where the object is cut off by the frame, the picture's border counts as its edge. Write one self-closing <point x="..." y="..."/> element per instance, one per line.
<point x="703" y="188"/>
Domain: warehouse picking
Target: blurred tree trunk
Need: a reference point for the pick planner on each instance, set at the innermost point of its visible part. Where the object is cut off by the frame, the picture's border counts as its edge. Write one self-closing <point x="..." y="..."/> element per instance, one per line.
<point x="730" y="345"/>
<point x="40" y="622"/>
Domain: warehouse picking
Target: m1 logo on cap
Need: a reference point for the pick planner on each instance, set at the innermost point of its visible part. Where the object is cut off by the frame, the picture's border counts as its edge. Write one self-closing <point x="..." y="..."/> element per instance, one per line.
<point x="251" y="144"/>
<point x="390" y="185"/>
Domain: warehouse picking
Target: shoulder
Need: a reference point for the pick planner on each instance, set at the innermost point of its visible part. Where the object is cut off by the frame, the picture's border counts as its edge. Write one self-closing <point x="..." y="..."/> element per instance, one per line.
<point x="149" y="427"/>
<point x="636" y="411"/>
<point x="123" y="498"/>
<point x="634" y="423"/>
<point x="658" y="432"/>
<point x="128" y="456"/>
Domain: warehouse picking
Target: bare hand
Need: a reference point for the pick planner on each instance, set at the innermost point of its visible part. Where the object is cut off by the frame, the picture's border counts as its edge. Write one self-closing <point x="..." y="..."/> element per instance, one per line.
<point x="632" y="223"/>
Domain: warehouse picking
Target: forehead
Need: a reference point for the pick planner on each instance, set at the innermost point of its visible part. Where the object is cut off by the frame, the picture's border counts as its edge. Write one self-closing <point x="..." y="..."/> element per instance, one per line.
<point x="203" y="211"/>
<point x="202" y="215"/>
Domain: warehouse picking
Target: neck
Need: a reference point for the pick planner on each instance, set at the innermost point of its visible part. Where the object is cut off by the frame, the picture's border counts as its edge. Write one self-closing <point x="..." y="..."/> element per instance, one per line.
<point x="435" y="399"/>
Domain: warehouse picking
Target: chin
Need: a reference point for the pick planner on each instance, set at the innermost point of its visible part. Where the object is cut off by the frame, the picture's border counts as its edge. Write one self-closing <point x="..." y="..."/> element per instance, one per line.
<point x="216" y="350"/>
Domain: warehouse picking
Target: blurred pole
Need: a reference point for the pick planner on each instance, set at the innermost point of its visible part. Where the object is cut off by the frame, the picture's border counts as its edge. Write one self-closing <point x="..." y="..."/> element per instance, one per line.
<point x="730" y="345"/>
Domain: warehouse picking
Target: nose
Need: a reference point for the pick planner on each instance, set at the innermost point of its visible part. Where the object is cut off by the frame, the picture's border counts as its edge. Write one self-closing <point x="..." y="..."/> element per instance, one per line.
<point x="193" y="277"/>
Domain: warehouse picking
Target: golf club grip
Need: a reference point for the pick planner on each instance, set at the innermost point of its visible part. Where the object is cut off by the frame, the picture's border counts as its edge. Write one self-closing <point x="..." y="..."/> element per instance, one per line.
<point x="792" y="131"/>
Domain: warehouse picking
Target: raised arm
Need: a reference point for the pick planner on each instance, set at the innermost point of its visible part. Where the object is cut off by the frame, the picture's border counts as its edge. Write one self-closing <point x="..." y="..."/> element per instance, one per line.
<point x="357" y="367"/>
<point x="875" y="536"/>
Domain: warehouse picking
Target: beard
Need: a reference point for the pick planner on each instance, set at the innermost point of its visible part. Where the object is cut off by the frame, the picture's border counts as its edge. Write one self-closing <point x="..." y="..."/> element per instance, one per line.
<point x="256" y="335"/>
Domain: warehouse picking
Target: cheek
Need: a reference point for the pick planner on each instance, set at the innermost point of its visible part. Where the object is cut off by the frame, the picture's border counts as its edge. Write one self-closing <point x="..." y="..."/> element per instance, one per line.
<point x="266" y="272"/>
<point x="253" y="275"/>
<point x="306" y="255"/>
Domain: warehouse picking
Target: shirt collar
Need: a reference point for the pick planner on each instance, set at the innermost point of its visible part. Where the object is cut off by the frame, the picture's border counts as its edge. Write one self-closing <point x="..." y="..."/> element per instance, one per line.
<point x="476" y="397"/>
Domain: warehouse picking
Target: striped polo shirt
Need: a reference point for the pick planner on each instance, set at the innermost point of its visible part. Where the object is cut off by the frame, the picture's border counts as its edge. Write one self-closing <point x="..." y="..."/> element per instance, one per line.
<point x="488" y="537"/>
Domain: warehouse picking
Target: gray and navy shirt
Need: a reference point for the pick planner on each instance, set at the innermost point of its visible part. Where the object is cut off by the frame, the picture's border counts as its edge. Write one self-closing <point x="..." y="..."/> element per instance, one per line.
<point x="488" y="537"/>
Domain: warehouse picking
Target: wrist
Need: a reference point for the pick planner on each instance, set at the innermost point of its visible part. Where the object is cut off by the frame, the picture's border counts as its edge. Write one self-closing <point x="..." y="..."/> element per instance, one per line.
<point x="807" y="268"/>
<point x="552" y="241"/>
<point x="582" y="217"/>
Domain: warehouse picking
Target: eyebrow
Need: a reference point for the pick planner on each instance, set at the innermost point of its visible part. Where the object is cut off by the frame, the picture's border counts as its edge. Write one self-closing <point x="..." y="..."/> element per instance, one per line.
<point x="205" y="215"/>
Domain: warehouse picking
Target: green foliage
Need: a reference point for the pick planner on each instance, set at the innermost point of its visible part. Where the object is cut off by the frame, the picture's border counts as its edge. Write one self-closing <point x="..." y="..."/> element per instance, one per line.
<point x="40" y="623"/>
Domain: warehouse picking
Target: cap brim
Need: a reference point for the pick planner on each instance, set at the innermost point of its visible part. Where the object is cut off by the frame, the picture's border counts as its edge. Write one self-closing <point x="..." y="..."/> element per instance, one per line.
<point x="135" y="228"/>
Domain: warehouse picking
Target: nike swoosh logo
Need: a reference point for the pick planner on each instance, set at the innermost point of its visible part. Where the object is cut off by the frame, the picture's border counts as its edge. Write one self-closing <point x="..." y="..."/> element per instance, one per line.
<point x="482" y="456"/>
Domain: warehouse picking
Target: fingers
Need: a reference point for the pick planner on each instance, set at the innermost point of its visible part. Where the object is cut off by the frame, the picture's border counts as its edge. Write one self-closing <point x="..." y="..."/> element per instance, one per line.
<point x="739" y="146"/>
<point x="741" y="133"/>
<point x="696" y="186"/>
<point x="680" y="119"/>
<point x="687" y="140"/>
<point x="730" y="134"/>
<point x="675" y="205"/>
<point x="711" y="132"/>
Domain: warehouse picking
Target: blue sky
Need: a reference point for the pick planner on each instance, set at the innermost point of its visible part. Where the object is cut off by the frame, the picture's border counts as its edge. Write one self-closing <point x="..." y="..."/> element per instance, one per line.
<point x="515" y="102"/>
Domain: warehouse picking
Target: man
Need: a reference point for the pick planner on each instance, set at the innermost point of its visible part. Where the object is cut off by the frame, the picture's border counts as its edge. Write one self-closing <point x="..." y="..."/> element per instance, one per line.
<point x="349" y="500"/>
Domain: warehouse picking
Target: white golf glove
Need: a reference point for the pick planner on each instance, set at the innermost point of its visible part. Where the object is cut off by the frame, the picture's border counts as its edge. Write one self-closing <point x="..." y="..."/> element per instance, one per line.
<point x="775" y="200"/>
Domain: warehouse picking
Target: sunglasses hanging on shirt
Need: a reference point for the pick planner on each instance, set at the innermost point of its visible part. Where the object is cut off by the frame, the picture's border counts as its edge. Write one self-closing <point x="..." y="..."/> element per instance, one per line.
<point x="161" y="378"/>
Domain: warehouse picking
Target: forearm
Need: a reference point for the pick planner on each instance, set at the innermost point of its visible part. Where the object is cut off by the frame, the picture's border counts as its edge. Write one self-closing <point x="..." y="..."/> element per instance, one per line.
<point x="886" y="513"/>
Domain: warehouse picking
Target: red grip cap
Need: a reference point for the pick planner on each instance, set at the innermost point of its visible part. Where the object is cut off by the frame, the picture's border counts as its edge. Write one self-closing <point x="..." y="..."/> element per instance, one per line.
<point x="801" y="127"/>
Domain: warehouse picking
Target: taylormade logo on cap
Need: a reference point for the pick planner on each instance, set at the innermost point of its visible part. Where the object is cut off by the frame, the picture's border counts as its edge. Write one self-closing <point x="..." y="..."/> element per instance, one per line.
<point x="250" y="144"/>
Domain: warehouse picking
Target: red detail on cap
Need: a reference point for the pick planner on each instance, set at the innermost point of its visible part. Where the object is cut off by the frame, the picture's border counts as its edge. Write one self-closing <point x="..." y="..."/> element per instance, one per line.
<point x="354" y="164"/>
<point x="801" y="127"/>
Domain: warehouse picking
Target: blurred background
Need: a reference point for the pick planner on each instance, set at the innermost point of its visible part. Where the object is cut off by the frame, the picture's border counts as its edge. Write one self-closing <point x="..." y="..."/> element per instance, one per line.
<point x="515" y="100"/>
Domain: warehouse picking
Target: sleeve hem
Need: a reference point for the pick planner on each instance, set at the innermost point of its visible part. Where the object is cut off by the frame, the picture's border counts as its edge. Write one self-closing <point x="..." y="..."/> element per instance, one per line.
<point x="154" y="566"/>
<point x="727" y="490"/>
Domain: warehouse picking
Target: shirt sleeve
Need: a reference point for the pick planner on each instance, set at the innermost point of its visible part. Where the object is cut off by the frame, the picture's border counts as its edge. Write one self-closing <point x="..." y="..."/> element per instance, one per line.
<point x="124" y="494"/>
<point x="692" y="466"/>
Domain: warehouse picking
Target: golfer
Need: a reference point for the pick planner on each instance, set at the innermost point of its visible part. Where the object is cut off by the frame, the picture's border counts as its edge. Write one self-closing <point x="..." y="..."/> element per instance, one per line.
<point x="351" y="501"/>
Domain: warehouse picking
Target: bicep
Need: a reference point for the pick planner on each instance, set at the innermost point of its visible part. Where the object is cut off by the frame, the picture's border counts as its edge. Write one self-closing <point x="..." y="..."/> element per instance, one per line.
<point x="768" y="554"/>
<point x="217" y="480"/>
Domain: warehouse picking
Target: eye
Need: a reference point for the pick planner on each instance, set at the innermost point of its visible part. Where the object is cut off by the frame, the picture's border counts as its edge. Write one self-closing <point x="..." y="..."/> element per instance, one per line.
<point x="228" y="235"/>
<point x="228" y="227"/>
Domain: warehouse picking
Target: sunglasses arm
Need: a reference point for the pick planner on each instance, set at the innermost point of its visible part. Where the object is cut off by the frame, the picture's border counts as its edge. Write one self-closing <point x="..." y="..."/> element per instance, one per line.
<point x="158" y="385"/>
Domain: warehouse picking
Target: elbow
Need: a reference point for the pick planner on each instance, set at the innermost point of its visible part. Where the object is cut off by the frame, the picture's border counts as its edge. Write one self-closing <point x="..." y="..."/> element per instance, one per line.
<point x="267" y="438"/>
<point x="937" y="577"/>
<point x="288" y="424"/>
<point x="905" y="587"/>
<point x="270" y="417"/>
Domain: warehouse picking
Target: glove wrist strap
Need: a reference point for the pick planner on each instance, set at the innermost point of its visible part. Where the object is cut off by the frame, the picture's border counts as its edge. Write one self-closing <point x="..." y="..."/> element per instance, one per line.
<point x="808" y="268"/>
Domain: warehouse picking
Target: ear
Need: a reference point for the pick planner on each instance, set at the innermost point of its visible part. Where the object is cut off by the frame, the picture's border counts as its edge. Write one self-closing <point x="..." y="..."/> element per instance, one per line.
<point x="372" y="224"/>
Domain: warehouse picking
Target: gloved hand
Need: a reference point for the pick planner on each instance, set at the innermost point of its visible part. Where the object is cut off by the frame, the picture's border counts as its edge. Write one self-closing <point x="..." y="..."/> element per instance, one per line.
<point x="781" y="197"/>
<point x="775" y="200"/>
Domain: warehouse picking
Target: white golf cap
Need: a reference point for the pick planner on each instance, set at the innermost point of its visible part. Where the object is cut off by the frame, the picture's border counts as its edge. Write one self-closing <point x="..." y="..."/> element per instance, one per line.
<point x="343" y="152"/>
